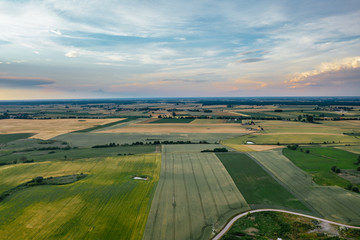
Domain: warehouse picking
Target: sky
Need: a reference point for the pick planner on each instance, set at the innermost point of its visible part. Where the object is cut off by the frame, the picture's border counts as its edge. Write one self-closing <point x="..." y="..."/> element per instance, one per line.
<point x="56" y="49"/>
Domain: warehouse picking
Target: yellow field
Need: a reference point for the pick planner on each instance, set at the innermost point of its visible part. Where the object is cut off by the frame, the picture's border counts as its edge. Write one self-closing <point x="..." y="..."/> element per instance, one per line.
<point x="326" y="127"/>
<point x="251" y="148"/>
<point x="107" y="204"/>
<point x="179" y="128"/>
<point x="49" y="128"/>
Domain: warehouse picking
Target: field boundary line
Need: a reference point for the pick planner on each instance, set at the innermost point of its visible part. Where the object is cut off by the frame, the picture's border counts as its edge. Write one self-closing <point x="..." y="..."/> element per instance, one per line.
<point x="298" y="196"/>
<point x="235" y="218"/>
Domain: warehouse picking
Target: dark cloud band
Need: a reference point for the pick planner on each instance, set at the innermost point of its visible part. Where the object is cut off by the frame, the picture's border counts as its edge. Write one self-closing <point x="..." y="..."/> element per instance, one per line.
<point x="24" y="82"/>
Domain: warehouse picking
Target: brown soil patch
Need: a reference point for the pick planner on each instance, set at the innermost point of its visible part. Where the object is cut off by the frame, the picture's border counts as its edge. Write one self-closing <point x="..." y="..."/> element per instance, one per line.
<point x="251" y="231"/>
<point x="49" y="128"/>
<point x="180" y="128"/>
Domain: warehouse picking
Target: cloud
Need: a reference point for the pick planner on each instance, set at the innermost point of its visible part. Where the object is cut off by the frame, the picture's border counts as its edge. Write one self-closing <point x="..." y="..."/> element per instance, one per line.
<point x="251" y="60"/>
<point x="24" y="82"/>
<point x="72" y="53"/>
<point x="326" y="69"/>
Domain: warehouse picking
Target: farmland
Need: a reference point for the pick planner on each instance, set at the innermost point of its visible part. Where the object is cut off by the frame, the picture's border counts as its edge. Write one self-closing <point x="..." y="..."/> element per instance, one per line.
<point x="181" y="192"/>
<point x="257" y="186"/>
<point x="194" y="194"/>
<point x="293" y="138"/>
<point x="62" y="154"/>
<point x="319" y="161"/>
<point x="155" y="127"/>
<point x="343" y="205"/>
<point x="91" y="139"/>
<point x="108" y="203"/>
<point x="46" y="129"/>
<point x="5" y="138"/>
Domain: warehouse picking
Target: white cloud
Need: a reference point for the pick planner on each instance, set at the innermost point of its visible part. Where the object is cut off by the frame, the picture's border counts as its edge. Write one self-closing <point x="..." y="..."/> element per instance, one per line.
<point x="72" y="53"/>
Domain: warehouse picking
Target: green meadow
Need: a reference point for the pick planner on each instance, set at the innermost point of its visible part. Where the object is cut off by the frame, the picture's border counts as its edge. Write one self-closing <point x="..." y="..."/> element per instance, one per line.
<point x="107" y="204"/>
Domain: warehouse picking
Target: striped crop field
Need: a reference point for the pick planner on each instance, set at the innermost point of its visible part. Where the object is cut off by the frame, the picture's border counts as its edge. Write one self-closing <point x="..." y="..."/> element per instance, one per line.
<point x="330" y="202"/>
<point x="107" y="204"/>
<point x="195" y="194"/>
<point x="258" y="187"/>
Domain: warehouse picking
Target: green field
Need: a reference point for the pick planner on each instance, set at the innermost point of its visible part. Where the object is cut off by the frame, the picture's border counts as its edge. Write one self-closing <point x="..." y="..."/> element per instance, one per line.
<point x="319" y="162"/>
<point x="74" y="153"/>
<point x="292" y="138"/>
<point x="194" y="193"/>
<point x="107" y="204"/>
<point x="190" y="148"/>
<point x="5" y="138"/>
<point x="333" y="203"/>
<point x="91" y="139"/>
<point x="174" y="120"/>
<point x="257" y="186"/>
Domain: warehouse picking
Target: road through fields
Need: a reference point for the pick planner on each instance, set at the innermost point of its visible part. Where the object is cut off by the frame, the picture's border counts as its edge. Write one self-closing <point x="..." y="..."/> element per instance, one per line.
<point x="233" y="220"/>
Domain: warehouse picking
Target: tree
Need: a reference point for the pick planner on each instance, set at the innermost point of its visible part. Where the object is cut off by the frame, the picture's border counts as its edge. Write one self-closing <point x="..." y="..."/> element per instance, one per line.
<point x="307" y="151"/>
<point x="38" y="179"/>
<point x="23" y="159"/>
<point x="309" y="118"/>
<point x="338" y="170"/>
<point x="333" y="168"/>
<point x="358" y="160"/>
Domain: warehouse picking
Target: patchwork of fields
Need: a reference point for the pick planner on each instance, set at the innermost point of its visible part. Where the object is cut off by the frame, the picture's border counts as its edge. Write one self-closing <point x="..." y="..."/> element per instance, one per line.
<point x="195" y="194"/>
<point x="46" y="129"/>
<point x="107" y="204"/>
<point x="258" y="187"/>
<point x="333" y="203"/>
<point x="293" y="138"/>
<point x="91" y="139"/>
<point x="320" y="160"/>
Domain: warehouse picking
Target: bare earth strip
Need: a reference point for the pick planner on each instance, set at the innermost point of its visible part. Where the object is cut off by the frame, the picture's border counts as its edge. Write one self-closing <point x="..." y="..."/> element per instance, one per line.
<point x="232" y="221"/>
<point x="49" y="128"/>
<point x="180" y="128"/>
<point x="331" y="202"/>
<point x="195" y="193"/>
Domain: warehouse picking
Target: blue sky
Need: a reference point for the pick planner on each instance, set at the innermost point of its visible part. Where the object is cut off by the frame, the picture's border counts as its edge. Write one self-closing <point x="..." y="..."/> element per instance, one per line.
<point x="92" y="48"/>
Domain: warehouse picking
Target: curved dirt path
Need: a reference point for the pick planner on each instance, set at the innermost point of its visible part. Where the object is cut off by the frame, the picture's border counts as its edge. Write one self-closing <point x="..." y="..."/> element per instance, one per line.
<point x="232" y="221"/>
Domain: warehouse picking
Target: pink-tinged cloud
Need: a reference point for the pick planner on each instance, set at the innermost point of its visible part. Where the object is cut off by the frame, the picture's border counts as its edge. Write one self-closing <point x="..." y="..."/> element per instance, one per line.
<point x="346" y="69"/>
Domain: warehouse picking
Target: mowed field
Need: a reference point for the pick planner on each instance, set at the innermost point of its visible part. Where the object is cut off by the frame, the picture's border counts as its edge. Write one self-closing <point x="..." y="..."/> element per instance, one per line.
<point x="195" y="193"/>
<point x="325" y="127"/>
<point x="107" y="204"/>
<point x="180" y="128"/>
<point x="293" y="138"/>
<point x="333" y="203"/>
<point x="259" y="188"/>
<point x="49" y="128"/>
